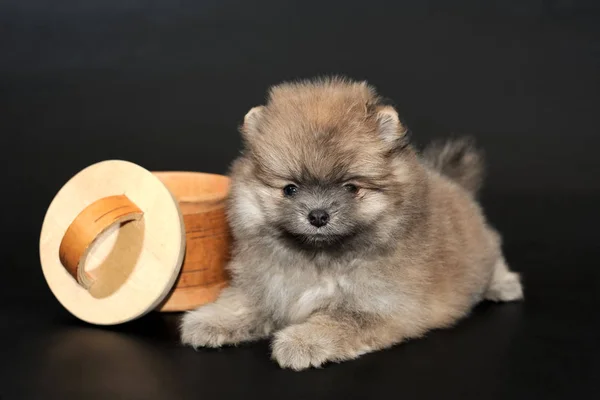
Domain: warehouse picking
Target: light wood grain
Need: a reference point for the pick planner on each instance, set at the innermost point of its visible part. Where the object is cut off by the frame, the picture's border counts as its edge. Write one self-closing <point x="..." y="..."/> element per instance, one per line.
<point x="119" y="241"/>
<point x="88" y="226"/>
<point x="201" y="199"/>
<point x="135" y="265"/>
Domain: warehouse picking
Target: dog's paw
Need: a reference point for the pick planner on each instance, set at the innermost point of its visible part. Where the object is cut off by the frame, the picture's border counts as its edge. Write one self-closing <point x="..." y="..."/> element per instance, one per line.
<point x="297" y="348"/>
<point x="506" y="288"/>
<point x="201" y="328"/>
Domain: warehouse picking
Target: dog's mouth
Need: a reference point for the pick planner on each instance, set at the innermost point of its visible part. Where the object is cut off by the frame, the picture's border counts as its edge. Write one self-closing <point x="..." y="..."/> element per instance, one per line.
<point x="315" y="241"/>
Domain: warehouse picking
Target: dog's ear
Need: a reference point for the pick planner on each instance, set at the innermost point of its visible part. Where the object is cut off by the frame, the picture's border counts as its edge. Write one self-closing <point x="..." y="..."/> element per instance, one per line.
<point x="251" y="121"/>
<point x="389" y="126"/>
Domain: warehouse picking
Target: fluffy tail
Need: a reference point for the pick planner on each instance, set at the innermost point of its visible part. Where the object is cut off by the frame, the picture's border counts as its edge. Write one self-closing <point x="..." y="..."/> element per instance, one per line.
<point x="459" y="160"/>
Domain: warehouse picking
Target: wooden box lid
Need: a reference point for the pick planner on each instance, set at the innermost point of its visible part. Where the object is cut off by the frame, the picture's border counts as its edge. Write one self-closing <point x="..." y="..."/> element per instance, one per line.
<point x="135" y="227"/>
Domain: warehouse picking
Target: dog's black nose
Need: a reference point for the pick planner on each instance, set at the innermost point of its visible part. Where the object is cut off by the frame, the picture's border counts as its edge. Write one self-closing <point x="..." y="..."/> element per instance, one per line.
<point x="318" y="218"/>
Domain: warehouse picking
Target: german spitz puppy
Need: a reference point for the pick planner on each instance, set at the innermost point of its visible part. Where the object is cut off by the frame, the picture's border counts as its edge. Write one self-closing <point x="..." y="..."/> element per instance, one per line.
<point x="347" y="240"/>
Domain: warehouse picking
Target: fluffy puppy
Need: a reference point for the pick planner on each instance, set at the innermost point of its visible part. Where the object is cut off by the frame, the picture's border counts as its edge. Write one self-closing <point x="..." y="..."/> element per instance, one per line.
<point x="346" y="240"/>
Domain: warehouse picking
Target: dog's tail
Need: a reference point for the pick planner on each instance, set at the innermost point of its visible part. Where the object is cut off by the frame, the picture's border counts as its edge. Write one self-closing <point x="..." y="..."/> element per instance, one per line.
<point x="459" y="160"/>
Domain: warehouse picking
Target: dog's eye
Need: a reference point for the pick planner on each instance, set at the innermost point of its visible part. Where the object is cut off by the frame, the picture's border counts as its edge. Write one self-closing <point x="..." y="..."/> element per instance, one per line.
<point x="351" y="188"/>
<point x="290" y="190"/>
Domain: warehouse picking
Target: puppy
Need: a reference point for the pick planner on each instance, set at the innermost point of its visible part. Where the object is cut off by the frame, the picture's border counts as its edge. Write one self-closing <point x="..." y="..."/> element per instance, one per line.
<point x="346" y="239"/>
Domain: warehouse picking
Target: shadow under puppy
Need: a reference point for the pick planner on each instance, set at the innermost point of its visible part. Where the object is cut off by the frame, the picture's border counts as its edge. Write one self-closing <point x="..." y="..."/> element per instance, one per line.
<point x="346" y="240"/>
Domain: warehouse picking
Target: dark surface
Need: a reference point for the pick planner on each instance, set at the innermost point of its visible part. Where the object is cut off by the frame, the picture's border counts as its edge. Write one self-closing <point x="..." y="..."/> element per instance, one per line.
<point x="165" y="85"/>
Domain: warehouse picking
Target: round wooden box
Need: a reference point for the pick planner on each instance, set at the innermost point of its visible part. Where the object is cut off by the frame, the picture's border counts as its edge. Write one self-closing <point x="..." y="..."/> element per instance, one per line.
<point x="119" y="241"/>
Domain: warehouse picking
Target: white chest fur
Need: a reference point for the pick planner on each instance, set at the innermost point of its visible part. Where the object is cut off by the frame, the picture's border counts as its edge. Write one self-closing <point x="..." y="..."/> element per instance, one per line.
<point x="319" y="295"/>
<point x="294" y="298"/>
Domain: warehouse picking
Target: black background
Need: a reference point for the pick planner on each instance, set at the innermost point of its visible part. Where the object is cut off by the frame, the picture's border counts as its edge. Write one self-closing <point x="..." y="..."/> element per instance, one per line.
<point x="165" y="85"/>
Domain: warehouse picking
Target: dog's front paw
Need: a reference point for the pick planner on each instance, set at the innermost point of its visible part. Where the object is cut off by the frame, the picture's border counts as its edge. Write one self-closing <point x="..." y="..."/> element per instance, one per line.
<point x="297" y="348"/>
<point x="203" y="328"/>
